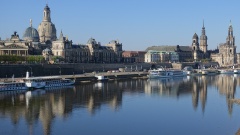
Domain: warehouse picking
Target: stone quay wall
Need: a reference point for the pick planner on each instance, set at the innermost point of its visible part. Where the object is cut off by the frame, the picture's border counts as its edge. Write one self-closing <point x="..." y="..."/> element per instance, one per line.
<point x="19" y="70"/>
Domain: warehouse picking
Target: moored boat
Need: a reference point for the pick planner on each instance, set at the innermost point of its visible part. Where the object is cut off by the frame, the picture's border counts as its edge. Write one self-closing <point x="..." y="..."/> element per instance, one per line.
<point x="12" y="86"/>
<point x="226" y="71"/>
<point x="236" y="71"/>
<point x="188" y="72"/>
<point x="204" y="72"/>
<point x="101" y="78"/>
<point x="58" y="81"/>
<point x="161" y="73"/>
<point x="212" y="72"/>
<point x="46" y="81"/>
<point x="177" y="73"/>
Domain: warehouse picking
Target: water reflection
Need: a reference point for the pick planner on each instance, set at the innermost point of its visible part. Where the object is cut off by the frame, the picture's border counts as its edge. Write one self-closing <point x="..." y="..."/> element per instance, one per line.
<point x="45" y="105"/>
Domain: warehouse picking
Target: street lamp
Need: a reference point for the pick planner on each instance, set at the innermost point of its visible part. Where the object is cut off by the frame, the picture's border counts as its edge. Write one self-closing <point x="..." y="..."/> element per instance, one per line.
<point x="59" y="70"/>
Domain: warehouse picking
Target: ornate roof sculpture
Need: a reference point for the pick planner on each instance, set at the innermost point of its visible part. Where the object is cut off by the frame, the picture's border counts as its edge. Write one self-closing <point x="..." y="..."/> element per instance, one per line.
<point x="91" y="41"/>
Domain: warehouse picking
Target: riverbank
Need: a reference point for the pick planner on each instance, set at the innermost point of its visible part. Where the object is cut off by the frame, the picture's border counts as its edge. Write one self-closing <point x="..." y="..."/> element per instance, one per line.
<point x="88" y="77"/>
<point x="19" y="70"/>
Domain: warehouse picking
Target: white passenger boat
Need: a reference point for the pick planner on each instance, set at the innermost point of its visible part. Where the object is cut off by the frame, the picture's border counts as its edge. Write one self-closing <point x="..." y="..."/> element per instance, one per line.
<point x="12" y="86"/>
<point x="204" y="72"/>
<point x="158" y="73"/>
<point x="177" y="73"/>
<point x="101" y="78"/>
<point x="236" y="71"/>
<point x="46" y="81"/>
<point x="226" y="71"/>
<point x="188" y="72"/>
<point x="161" y="73"/>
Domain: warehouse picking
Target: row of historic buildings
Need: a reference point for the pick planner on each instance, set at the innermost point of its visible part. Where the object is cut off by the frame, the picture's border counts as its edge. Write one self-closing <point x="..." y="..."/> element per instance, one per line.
<point x="225" y="54"/>
<point x="44" y="42"/>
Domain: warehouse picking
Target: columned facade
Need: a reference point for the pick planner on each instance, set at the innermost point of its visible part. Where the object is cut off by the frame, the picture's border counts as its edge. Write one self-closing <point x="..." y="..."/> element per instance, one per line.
<point x="14" y="46"/>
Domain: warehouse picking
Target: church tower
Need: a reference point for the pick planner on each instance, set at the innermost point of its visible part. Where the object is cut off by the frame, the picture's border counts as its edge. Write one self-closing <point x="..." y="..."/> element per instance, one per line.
<point x="203" y="40"/>
<point x="228" y="50"/>
<point x="46" y="14"/>
<point x="46" y="29"/>
<point x="230" y="40"/>
<point x="195" y="46"/>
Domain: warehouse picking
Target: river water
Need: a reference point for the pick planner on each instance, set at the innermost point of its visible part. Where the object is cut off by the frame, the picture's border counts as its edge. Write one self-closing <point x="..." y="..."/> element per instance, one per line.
<point x="196" y="105"/>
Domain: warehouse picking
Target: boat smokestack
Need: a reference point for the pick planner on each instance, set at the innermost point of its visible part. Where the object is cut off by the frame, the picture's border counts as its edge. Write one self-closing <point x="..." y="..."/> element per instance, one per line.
<point x="27" y="74"/>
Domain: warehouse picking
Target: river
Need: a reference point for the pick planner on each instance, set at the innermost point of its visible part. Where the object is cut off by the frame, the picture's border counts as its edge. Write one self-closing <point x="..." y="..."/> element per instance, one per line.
<point x="191" y="105"/>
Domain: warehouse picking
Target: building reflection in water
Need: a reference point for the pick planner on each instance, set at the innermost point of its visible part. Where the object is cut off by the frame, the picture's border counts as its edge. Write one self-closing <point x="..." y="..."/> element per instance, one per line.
<point x="226" y="85"/>
<point x="197" y="86"/>
<point x="44" y="105"/>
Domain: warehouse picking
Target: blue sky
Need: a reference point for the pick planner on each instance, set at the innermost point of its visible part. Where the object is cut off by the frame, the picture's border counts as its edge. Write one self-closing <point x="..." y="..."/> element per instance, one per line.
<point x="137" y="24"/>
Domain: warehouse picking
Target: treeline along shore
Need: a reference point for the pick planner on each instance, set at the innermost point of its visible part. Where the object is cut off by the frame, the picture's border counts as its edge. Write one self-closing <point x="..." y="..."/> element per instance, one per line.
<point x="19" y="70"/>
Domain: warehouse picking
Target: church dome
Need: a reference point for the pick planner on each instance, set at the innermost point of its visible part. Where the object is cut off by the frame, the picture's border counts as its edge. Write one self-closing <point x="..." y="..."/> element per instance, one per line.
<point x="195" y="36"/>
<point x="31" y="34"/>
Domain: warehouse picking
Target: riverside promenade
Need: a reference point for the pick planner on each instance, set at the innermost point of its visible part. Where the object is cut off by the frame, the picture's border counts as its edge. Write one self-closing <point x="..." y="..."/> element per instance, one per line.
<point x="90" y="77"/>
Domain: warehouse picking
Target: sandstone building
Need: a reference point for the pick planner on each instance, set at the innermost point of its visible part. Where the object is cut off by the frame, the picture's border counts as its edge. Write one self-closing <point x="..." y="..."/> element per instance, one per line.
<point x="227" y="55"/>
<point x="44" y="42"/>
<point x="46" y="29"/>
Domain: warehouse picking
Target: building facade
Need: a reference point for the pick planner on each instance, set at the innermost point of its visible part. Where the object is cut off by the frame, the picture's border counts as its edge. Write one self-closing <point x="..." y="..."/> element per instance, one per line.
<point x="44" y="42"/>
<point x="92" y="52"/>
<point x="227" y="55"/>
<point x="159" y="56"/>
<point x="133" y="56"/>
<point x="169" y="53"/>
<point x="15" y="46"/>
